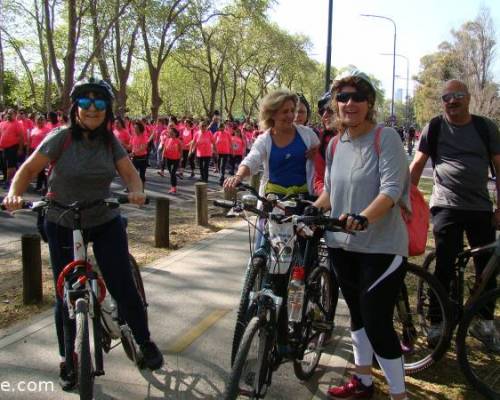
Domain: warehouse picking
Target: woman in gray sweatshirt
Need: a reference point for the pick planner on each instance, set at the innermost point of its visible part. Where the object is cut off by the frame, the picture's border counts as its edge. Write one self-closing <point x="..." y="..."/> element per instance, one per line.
<point x="366" y="178"/>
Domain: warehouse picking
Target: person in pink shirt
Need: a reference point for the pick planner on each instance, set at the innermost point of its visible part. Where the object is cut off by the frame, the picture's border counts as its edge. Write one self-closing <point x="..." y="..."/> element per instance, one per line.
<point x="121" y="132"/>
<point x="223" y="145"/>
<point x="172" y="151"/>
<point x="37" y="134"/>
<point x="27" y="125"/>
<point x="187" y="139"/>
<point x="238" y="149"/>
<point x="139" y="146"/>
<point x="53" y="120"/>
<point x="204" y="145"/>
<point x="12" y="144"/>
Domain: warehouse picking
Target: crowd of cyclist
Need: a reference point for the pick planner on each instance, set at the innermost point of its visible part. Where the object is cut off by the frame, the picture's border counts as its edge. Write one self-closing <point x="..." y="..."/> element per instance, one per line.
<point x="350" y="165"/>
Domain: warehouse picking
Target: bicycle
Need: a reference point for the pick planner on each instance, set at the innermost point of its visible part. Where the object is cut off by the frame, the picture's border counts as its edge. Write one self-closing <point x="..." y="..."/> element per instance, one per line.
<point x="265" y="316"/>
<point x="84" y="293"/>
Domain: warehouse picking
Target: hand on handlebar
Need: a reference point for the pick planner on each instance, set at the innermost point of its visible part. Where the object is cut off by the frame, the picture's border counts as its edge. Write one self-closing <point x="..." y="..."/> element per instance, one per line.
<point x="138" y="198"/>
<point x="232" y="182"/>
<point x="354" y="222"/>
<point x="12" y="203"/>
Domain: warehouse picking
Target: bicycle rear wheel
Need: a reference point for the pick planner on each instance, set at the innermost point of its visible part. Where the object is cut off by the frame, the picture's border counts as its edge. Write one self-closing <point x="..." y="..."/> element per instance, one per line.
<point x="317" y="323"/>
<point x="479" y="362"/>
<point x="253" y="282"/>
<point x="127" y="339"/>
<point x="85" y="368"/>
<point x="413" y="316"/>
<point x="250" y="375"/>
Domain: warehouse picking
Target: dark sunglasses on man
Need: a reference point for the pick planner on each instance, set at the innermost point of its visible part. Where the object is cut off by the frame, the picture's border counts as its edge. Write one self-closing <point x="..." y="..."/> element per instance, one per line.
<point x="344" y="97"/>
<point x="453" y="95"/>
<point x="85" y="103"/>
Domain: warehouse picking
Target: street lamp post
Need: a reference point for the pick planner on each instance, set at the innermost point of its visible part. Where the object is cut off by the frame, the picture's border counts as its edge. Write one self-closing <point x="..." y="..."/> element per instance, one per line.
<point x="329" y="46"/>
<point x="393" y="60"/>
<point x="407" y="85"/>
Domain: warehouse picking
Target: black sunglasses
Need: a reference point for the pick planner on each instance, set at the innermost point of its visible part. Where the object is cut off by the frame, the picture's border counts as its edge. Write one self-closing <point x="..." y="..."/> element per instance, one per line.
<point x="453" y="95"/>
<point x="344" y="97"/>
<point x="85" y="103"/>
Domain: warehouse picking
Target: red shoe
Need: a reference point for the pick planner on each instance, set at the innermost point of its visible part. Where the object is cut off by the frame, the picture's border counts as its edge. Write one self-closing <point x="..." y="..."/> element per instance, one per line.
<point x="353" y="389"/>
<point x="173" y="190"/>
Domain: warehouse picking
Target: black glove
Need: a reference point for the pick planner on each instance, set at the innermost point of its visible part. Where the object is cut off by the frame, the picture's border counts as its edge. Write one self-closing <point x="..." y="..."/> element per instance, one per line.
<point x="312" y="211"/>
<point x="360" y="219"/>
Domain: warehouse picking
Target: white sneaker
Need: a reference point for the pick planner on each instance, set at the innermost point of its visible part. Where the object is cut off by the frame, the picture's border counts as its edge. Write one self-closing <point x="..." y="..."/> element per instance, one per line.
<point x="434" y="334"/>
<point x="485" y="331"/>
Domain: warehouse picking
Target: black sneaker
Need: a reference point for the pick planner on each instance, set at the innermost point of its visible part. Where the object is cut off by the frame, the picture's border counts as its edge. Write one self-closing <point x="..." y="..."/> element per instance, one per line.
<point x="66" y="380"/>
<point x="153" y="359"/>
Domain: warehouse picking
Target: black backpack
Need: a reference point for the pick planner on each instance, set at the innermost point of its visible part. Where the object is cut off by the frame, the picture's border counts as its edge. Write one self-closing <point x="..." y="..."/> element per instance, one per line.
<point x="480" y="126"/>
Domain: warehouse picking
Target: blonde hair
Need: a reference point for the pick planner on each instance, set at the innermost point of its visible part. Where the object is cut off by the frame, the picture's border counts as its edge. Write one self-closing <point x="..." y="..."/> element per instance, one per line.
<point x="271" y="103"/>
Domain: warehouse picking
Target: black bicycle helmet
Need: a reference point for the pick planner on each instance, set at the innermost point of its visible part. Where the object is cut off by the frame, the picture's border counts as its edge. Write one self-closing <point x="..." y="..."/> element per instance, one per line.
<point x="92" y="84"/>
<point x="324" y="102"/>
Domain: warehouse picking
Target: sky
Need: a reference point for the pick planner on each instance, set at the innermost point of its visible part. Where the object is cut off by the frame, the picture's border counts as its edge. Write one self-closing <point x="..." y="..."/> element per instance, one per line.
<point x="421" y="25"/>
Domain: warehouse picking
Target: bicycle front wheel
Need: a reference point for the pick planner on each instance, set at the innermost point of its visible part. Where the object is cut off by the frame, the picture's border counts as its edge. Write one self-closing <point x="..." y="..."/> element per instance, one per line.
<point x="85" y="369"/>
<point x="477" y="354"/>
<point x="251" y="370"/>
<point x="414" y="316"/>
<point x="317" y="323"/>
<point x="253" y="282"/>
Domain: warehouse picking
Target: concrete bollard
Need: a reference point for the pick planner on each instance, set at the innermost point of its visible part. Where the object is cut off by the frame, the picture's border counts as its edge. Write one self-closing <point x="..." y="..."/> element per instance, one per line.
<point x="201" y="203"/>
<point x="32" y="269"/>
<point x="230" y="194"/>
<point x="162" y="225"/>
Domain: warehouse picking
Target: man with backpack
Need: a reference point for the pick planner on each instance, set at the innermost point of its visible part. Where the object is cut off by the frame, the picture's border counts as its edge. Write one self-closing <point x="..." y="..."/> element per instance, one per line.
<point x="461" y="147"/>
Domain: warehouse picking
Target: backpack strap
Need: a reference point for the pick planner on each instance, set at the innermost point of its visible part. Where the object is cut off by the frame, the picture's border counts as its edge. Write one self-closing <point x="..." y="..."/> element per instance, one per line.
<point x="482" y="129"/>
<point x="432" y="137"/>
<point x="334" y="141"/>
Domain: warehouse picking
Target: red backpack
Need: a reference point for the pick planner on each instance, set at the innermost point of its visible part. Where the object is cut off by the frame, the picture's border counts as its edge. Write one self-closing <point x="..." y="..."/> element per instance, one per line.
<point x="417" y="220"/>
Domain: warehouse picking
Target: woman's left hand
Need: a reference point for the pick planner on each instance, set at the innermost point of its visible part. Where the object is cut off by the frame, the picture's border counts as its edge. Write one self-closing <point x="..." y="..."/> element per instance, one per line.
<point x="354" y="222"/>
<point x="311" y="152"/>
<point x="138" y="198"/>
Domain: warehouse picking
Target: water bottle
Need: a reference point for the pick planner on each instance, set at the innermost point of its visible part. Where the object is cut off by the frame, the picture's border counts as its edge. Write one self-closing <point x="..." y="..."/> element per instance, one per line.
<point x="296" y="289"/>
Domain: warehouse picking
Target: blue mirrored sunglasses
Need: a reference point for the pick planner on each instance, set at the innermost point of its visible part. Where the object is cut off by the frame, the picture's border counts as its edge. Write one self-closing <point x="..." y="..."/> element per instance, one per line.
<point x="85" y="103"/>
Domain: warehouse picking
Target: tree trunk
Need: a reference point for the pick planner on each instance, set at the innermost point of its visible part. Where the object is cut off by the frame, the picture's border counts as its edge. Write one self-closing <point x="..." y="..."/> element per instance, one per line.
<point x="69" y="58"/>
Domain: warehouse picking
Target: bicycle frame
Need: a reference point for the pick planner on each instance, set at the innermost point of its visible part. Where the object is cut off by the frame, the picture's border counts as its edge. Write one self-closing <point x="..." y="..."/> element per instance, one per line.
<point x="491" y="269"/>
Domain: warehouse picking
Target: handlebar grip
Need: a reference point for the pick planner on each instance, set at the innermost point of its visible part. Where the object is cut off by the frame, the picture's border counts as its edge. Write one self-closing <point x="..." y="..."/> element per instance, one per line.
<point x="224" y="203"/>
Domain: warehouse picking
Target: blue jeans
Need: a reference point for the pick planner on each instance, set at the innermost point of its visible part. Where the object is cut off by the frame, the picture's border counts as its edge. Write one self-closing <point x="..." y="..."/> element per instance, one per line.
<point x="110" y="247"/>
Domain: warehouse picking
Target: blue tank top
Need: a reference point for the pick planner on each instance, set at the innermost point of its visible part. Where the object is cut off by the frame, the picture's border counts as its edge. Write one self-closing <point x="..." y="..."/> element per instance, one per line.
<point x="287" y="165"/>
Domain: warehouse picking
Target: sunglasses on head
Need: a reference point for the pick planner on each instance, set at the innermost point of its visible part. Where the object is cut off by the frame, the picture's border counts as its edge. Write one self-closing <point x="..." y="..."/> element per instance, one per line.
<point x="85" y="103"/>
<point x="346" y="96"/>
<point x="454" y="95"/>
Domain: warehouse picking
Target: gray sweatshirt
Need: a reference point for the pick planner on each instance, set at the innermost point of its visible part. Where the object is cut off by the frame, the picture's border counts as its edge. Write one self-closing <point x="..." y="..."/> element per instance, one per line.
<point x="355" y="177"/>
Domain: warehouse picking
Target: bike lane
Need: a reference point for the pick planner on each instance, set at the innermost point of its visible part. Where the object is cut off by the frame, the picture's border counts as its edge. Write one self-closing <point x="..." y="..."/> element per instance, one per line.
<point x="193" y="295"/>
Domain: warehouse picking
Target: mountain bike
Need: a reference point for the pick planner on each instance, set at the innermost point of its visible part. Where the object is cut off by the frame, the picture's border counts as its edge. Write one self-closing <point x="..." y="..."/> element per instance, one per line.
<point x="85" y="296"/>
<point x="265" y="321"/>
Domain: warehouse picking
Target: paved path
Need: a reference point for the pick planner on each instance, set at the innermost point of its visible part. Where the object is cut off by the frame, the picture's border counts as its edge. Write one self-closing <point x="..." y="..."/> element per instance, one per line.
<point x="193" y="295"/>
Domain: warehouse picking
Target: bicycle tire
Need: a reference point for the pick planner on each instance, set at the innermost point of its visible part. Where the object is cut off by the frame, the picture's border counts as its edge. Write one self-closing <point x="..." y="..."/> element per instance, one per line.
<point x="82" y="348"/>
<point x="253" y="281"/>
<point x="313" y="328"/>
<point x="471" y="362"/>
<point x="412" y="319"/>
<point x="127" y="339"/>
<point x="254" y="378"/>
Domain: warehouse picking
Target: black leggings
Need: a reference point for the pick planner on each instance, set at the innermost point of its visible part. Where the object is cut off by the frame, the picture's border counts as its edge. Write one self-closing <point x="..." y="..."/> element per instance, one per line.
<point x="371" y="301"/>
<point x="448" y="229"/>
<point x="111" y="252"/>
<point x="141" y="163"/>
<point x="172" y="166"/>
<point x="185" y="158"/>
<point x="203" y="163"/>
<point x="222" y="163"/>
<point x="235" y="163"/>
